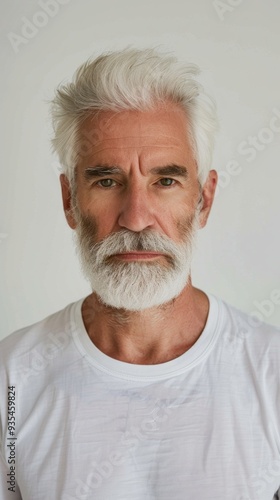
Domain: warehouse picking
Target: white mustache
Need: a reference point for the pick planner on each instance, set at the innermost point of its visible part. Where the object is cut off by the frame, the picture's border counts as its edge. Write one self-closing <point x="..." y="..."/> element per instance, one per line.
<point x="136" y="286"/>
<point x="127" y="241"/>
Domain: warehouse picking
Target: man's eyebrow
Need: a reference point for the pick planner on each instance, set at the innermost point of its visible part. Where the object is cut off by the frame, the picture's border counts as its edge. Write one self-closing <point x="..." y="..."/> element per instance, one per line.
<point x="104" y="170"/>
<point x="172" y="169"/>
<point x="101" y="170"/>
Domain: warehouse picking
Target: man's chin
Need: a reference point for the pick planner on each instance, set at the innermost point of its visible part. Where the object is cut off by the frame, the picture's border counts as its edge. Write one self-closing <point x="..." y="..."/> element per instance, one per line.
<point x="138" y="306"/>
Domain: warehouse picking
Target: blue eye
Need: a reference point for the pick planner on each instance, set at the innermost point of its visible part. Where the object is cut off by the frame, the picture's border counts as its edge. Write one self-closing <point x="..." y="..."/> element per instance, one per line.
<point x="166" y="182"/>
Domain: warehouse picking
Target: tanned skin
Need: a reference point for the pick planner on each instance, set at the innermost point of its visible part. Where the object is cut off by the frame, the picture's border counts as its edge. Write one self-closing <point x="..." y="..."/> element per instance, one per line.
<point x="137" y="197"/>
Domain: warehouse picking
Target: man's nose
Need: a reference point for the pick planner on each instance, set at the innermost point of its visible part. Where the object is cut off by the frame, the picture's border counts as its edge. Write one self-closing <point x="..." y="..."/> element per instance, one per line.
<point x="136" y="212"/>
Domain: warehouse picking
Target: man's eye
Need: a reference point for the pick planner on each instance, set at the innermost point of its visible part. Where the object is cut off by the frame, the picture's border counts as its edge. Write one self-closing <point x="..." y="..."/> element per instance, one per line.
<point x="106" y="183"/>
<point x="167" y="182"/>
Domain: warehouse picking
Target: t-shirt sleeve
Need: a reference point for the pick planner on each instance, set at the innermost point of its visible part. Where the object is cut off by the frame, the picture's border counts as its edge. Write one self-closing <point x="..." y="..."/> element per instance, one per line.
<point x="7" y="471"/>
<point x="5" y="493"/>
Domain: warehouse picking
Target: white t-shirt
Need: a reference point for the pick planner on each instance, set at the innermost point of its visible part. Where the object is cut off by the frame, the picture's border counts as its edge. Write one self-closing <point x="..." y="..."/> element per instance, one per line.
<point x="205" y="425"/>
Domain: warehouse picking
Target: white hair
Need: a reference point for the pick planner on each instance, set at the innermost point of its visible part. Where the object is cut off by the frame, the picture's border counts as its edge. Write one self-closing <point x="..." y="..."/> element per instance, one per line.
<point x="132" y="79"/>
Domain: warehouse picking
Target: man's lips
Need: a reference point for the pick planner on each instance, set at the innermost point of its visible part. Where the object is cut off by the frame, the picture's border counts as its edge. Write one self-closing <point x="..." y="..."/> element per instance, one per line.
<point x="138" y="255"/>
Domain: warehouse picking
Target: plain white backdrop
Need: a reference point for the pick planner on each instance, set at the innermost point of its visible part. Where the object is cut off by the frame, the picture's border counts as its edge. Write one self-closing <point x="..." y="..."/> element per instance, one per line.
<point x="237" y="45"/>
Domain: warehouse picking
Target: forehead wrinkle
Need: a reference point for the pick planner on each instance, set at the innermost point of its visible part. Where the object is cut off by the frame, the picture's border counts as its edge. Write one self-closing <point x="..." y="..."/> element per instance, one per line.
<point x="153" y="139"/>
<point x="133" y="147"/>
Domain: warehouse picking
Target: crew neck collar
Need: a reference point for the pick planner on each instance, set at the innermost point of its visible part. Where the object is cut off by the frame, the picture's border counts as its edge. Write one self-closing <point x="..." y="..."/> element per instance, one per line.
<point x="130" y="371"/>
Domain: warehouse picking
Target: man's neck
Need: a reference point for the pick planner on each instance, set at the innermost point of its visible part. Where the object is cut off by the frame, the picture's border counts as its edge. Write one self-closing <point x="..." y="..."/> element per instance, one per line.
<point x="152" y="336"/>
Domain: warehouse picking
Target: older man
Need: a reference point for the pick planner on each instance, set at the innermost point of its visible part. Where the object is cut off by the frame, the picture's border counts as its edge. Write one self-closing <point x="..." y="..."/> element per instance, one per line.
<point x="147" y="389"/>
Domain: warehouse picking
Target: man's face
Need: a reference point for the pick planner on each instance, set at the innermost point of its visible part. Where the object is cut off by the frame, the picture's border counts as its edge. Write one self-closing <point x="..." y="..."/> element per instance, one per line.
<point x="136" y="179"/>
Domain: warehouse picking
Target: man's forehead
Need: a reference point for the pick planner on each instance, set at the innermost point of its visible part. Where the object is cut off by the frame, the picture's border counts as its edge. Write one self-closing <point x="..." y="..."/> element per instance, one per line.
<point x="145" y="159"/>
<point x="147" y="144"/>
<point x="152" y="133"/>
<point x="160" y="123"/>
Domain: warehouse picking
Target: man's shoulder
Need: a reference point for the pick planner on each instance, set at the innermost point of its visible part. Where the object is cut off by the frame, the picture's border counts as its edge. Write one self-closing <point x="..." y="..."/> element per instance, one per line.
<point x="253" y="328"/>
<point x="256" y="319"/>
<point x="52" y="328"/>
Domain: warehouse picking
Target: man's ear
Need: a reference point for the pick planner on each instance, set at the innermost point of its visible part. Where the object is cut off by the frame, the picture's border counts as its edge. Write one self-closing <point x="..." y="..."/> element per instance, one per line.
<point x="67" y="201"/>
<point x="208" y="193"/>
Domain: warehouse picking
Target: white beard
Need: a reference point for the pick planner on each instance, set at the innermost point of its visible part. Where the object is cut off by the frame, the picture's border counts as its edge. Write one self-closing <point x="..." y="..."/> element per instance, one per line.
<point x="135" y="286"/>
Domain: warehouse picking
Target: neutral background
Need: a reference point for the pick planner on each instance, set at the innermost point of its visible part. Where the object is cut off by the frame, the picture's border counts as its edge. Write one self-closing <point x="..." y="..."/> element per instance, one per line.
<point x="237" y="45"/>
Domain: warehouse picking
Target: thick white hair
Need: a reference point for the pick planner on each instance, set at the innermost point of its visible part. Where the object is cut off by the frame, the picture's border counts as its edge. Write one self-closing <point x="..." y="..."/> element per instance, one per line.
<point x="132" y="79"/>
